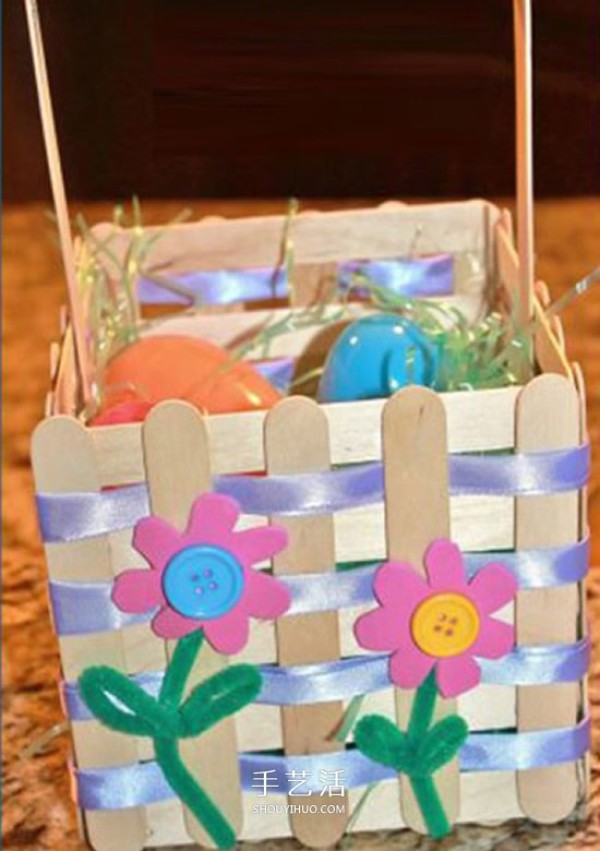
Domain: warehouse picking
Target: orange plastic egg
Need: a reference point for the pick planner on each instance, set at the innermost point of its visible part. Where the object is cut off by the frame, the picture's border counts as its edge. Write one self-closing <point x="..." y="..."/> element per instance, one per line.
<point x="174" y="367"/>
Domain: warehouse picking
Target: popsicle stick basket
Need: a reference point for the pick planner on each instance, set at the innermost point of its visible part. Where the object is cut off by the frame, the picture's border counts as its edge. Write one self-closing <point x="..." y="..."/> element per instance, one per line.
<point x="501" y="472"/>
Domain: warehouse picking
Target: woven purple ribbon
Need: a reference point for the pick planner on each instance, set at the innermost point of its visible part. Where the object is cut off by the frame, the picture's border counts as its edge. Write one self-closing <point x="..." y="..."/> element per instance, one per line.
<point x="141" y="784"/>
<point x="81" y="608"/>
<point x="278" y="371"/>
<point x="74" y="516"/>
<point x="347" y="678"/>
<point x="413" y="276"/>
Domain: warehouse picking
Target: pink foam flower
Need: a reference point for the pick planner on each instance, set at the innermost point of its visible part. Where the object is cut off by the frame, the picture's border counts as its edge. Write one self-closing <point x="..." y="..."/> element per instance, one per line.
<point x="443" y="621"/>
<point x="204" y="577"/>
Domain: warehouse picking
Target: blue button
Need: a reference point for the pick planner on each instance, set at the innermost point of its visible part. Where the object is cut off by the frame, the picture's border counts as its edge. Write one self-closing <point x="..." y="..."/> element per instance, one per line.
<point x="203" y="582"/>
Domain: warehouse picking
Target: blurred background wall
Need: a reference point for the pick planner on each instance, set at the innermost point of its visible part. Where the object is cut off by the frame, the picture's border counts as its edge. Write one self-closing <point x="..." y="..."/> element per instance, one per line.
<point x="247" y="98"/>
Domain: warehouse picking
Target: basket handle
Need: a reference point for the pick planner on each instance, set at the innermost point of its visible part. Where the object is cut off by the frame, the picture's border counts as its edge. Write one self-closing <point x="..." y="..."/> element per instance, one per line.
<point x="524" y="155"/>
<point x="59" y="195"/>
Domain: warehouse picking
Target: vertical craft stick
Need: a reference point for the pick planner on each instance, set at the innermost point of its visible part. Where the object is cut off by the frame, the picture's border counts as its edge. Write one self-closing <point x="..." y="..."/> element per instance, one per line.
<point x="177" y="460"/>
<point x="547" y="418"/>
<point x="313" y="283"/>
<point x="524" y="155"/>
<point x="58" y="191"/>
<point x="506" y="222"/>
<point x="583" y="624"/>
<point x="584" y="436"/>
<point x="64" y="461"/>
<point x="417" y="511"/>
<point x="297" y="441"/>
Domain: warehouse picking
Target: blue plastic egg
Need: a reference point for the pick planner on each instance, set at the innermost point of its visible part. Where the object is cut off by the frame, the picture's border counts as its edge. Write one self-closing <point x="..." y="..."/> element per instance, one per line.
<point x="376" y="356"/>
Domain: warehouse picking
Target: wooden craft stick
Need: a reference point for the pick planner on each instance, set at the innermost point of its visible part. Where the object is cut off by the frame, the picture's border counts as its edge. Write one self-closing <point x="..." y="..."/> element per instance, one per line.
<point x="542" y="294"/>
<point x="54" y="359"/>
<point x="506" y="222"/>
<point x="478" y="421"/>
<point x="583" y="624"/>
<point x="297" y="441"/>
<point x="549" y="353"/>
<point x="524" y="154"/>
<point x="583" y="436"/>
<point x="64" y="460"/>
<point x="58" y="192"/>
<point x="325" y="237"/>
<point x="547" y="418"/>
<point x="177" y="460"/>
<point x="548" y="343"/>
<point x="417" y="511"/>
<point x="313" y="284"/>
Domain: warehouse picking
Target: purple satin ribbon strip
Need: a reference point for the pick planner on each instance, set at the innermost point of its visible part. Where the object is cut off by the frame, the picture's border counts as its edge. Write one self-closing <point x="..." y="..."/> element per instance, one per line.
<point x="74" y="516"/>
<point x="279" y="371"/>
<point x="347" y="678"/>
<point x="413" y="276"/>
<point x="80" y="608"/>
<point x="425" y="277"/>
<point x="142" y="784"/>
<point x="217" y="287"/>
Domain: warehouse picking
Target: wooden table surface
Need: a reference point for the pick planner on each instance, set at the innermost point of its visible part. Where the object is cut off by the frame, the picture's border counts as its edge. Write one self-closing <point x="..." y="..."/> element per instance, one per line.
<point x="38" y="813"/>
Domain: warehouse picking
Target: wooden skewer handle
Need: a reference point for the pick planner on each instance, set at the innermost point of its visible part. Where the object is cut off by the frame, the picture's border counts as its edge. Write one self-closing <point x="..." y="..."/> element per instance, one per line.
<point x="58" y="192"/>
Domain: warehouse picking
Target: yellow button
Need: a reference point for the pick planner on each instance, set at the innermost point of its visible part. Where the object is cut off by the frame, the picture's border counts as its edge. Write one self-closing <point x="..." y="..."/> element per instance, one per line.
<point x="445" y="625"/>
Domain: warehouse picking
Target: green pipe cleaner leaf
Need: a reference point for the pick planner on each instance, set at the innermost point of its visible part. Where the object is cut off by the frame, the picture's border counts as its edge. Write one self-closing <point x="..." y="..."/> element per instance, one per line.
<point x="440" y="745"/>
<point x="379" y="739"/>
<point x="214" y="699"/>
<point x="122" y="705"/>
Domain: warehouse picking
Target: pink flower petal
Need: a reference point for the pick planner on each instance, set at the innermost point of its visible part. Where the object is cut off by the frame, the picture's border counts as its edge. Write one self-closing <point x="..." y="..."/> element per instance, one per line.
<point x="170" y="624"/>
<point x="212" y="515"/>
<point x="264" y="596"/>
<point x="495" y="639"/>
<point x="445" y="567"/>
<point x="229" y="633"/>
<point x="255" y="545"/>
<point x="457" y="674"/>
<point x="493" y="587"/>
<point x="399" y="586"/>
<point x="156" y="540"/>
<point x="137" y="591"/>
<point x="381" y="629"/>
<point x="409" y="666"/>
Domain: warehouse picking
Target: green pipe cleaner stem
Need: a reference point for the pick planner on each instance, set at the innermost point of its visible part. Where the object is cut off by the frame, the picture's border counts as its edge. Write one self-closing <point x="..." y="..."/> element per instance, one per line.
<point x="167" y="749"/>
<point x="424" y="788"/>
<point x="179" y="668"/>
<point x="192" y="794"/>
<point x="430" y="805"/>
<point x="423" y="707"/>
